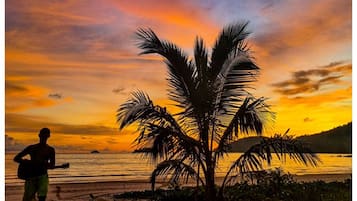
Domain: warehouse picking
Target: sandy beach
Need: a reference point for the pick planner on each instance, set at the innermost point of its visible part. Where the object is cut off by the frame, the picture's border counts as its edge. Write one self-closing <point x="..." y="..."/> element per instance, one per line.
<point x="103" y="190"/>
<point x="80" y="191"/>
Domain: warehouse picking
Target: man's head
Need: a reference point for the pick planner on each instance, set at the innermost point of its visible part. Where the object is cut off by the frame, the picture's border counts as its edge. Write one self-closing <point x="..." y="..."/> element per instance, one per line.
<point x="44" y="134"/>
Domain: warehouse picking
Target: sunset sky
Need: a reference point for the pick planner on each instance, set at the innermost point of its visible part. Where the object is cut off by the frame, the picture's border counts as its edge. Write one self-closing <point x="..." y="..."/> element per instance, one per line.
<point x="69" y="64"/>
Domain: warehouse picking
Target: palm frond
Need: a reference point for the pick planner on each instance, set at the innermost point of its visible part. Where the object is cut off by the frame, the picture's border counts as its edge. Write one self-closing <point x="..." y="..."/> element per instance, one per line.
<point x="182" y="74"/>
<point x="281" y="146"/>
<point x="232" y="83"/>
<point x="148" y="41"/>
<point x="231" y="37"/>
<point x="156" y="126"/>
<point x="201" y="59"/>
<point x="138" y="108"/>
<point x="251" y="116"/>
<point x="141" y="109"/>
<point x="177" y="169"/>
<point x="165" y="142"/>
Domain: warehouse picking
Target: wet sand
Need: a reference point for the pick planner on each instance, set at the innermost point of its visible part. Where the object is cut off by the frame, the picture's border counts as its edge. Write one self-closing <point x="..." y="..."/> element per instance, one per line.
<point x="104" y="190"/>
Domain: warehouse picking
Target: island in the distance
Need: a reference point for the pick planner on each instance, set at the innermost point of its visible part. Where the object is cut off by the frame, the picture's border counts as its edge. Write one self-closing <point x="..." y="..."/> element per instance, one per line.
<point x="95" y="152"/>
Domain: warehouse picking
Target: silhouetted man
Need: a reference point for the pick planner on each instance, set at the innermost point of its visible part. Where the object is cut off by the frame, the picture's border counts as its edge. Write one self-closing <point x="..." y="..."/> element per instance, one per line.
<point x="42" y="158"/>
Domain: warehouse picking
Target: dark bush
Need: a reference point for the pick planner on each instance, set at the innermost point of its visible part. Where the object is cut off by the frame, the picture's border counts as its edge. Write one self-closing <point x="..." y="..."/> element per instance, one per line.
<point x="287" y="190"/>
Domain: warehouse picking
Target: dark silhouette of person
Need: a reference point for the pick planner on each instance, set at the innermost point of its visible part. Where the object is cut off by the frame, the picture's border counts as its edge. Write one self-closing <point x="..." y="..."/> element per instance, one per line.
<point x="42" y="158"/>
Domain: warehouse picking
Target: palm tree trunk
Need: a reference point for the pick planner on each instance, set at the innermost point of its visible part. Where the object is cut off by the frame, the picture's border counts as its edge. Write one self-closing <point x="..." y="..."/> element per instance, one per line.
<point x="210" y="180"/>
<point x="210" y="185"/>
<point x="198" y="176"/>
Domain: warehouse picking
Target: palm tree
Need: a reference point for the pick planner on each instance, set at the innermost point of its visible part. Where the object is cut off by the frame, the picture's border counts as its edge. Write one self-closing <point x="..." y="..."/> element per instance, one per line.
<point x="215" y="107"/>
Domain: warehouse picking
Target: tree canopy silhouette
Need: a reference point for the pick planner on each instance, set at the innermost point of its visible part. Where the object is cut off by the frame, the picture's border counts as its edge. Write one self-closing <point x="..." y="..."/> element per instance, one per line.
<point x="212" y="92"/>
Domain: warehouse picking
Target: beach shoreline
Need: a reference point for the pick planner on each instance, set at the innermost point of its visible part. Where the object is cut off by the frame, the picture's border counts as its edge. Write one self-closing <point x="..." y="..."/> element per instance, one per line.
<point x="82" y="191"/>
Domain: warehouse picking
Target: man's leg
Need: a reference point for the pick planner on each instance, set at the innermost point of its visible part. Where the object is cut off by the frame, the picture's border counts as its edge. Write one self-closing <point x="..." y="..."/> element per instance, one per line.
<point x="30" y="190"/>
<point x="42" y="187"/>
<point x="41" y="198"/>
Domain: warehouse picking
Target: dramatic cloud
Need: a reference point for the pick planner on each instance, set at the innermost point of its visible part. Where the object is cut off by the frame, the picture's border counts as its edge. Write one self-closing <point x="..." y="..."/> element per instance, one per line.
<point x="25" y="96"/>
<point x="20" y="96"/>
<point x="177" y="20"/>
<point x="309" y="81"/>
<point x="318" y="24"/>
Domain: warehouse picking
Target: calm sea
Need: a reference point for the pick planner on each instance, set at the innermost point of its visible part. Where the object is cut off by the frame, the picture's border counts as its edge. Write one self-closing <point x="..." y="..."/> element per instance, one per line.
<point x="129" y="166"/>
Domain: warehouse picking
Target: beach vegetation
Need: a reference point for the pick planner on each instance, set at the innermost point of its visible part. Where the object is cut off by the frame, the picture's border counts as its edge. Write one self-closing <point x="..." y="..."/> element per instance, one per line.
<point x="245" y="191"/>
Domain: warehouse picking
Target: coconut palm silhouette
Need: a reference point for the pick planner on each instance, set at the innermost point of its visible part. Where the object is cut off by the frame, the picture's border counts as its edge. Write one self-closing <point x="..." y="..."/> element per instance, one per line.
<point x="215" y="108"/>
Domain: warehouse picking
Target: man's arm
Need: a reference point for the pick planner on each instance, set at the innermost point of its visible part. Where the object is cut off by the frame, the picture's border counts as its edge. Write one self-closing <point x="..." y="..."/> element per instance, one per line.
<point x="51" y="164"/>
<point x="18" y="157"/>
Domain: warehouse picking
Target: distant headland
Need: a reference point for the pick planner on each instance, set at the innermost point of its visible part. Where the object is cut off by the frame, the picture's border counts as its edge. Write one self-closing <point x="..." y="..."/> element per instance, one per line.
<point x="336" y="140"/>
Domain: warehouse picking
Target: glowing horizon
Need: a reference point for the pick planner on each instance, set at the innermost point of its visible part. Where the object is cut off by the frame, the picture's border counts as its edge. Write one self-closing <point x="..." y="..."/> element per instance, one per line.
<point x="70" y="64"/>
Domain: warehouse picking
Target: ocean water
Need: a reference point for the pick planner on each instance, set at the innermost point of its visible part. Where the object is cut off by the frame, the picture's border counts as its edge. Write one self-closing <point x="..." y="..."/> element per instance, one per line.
<point x="129" y="166"/>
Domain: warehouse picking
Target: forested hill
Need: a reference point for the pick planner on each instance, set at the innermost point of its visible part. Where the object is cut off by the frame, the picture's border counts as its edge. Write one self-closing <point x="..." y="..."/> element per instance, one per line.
<point x="337" y="140"/>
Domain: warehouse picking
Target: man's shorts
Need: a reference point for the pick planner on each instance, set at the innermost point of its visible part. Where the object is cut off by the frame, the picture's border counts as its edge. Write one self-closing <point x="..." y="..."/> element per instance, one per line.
<point x="35" y="185"/>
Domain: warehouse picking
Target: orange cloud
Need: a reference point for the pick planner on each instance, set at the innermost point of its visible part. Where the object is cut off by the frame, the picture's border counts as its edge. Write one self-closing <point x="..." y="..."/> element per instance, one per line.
<point x="307" y="29"/>
<point x="178" y="21"/>
<point x="179" y="13"/>
<point x="302" y="33"/>
<point x="20" y="97"/>
<point x="312" y="80"/>
<point x="64" y="30"/>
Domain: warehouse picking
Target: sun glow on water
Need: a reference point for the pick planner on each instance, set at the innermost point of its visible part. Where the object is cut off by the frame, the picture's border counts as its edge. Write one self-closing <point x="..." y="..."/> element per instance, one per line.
<point x="128" y="166"/>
